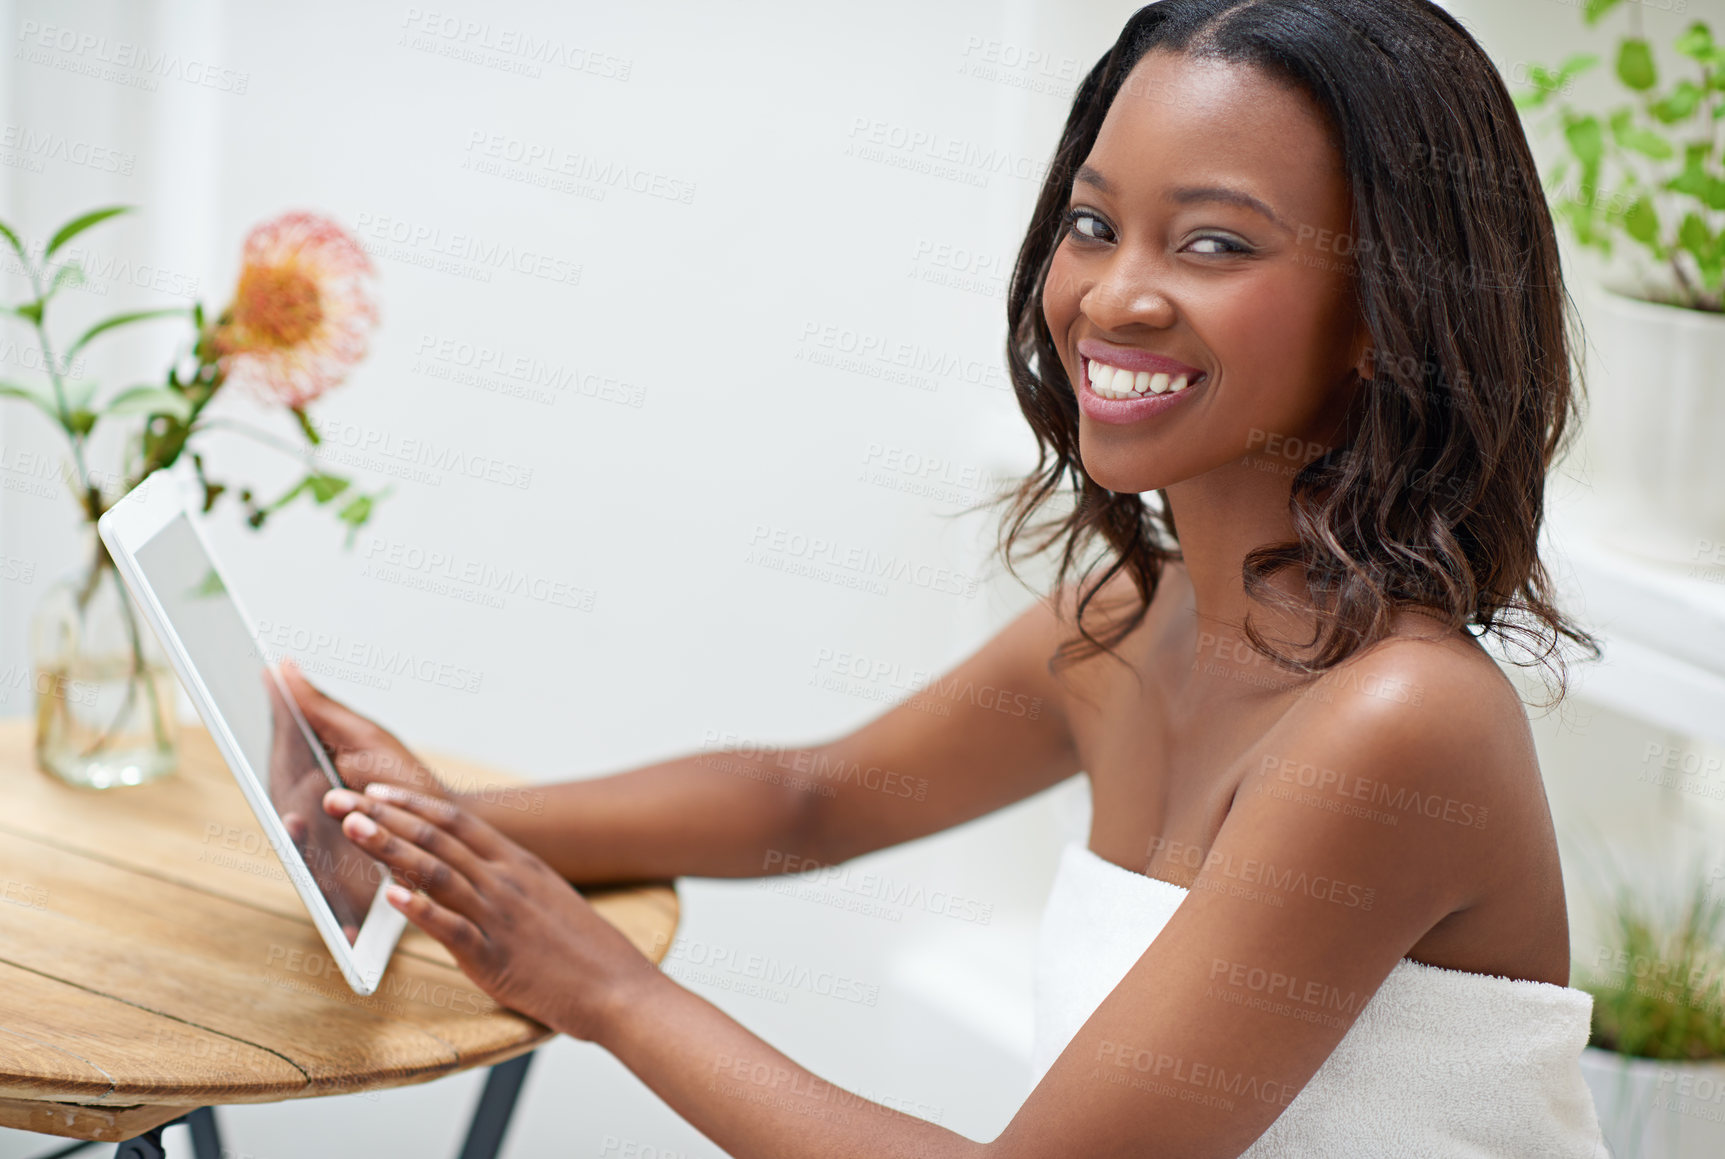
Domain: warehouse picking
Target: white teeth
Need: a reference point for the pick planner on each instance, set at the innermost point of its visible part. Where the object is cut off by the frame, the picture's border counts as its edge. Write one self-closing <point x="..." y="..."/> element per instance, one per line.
<point x="1117" y="383"/>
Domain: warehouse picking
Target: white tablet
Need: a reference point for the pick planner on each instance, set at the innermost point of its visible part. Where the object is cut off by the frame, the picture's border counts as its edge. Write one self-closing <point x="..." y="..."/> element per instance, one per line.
<point x="156" y="538"/>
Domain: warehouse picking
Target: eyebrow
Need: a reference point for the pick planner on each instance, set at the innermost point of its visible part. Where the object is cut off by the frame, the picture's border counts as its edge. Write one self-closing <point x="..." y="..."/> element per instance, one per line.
<point x="1188" y="194"/>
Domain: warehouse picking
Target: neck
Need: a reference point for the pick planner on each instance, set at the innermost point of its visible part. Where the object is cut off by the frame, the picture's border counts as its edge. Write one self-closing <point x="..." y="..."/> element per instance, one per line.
<point x="1222" y="515"/>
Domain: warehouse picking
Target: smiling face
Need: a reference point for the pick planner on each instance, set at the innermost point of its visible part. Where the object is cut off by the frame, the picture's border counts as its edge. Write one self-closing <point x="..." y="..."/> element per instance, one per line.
<point x="1193" y="250"/>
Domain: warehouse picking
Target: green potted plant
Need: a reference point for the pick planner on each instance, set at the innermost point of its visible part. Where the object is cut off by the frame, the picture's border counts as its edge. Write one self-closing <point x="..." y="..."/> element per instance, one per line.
<point x="1655" y="1059"/>
<point x="1642" y="185"/>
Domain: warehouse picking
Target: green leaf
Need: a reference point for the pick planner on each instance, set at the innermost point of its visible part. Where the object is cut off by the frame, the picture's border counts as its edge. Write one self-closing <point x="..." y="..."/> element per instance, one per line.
<point x="17" y="246"/>
<point x="31" y="312"/>
<point x="78" y="225"/>
<point x="40" y="396"/>
<point x="1642" y="222"/>
<point x="1531" y="98"/>
<point x="305" y="425"/>
<point x="1708" y="250"/>
<point x="1586" y="139"/>
<point x="1577" y="64"/>
<point x="82" y="421"/>
<point x="150" y="400"/>
<point x="210" y="585"/>
<point x="1596" y="10"/>
<point x="1698" y="183"/>
<point x="117" y="320"/>
<point x="1635" y="65"/>
<point x="1679" y="104"/>
<point x="1694" y="236"/>
<point x="1579" y="212"/>
<point x="69" y="274"/>
<point x="357" y="511"/>
<point x="1641" y="140"/>
<point x="285" y="499"/>
<point x="326" y="487"/>
<point x="1696" y="41"/>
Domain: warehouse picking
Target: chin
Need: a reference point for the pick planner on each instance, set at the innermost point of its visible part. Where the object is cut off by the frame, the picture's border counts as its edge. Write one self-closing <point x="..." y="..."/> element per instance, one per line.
<point x="1118" y="474"/>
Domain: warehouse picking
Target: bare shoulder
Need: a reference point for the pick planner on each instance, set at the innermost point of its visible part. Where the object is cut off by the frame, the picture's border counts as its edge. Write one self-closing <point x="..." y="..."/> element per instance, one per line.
<point x="1432" y="686"/>
<point x="1438" y="745"/>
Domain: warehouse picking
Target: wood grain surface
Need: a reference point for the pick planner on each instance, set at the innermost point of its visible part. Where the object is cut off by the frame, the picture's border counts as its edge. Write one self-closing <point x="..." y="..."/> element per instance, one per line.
<point x="154" y="958"/>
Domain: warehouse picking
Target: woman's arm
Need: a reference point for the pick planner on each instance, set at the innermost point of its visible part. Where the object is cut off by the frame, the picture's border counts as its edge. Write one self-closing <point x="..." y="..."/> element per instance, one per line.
<point x="978" y="738"/>
<point x="1172" y="1063"/>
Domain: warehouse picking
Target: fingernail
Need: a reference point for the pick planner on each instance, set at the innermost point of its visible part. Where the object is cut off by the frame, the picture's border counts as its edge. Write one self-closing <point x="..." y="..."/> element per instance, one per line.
<point x="379" y="789"/>
<point x="359" y="825"/>
<point x="342" y="798"/>
<point x="397" y="895"/>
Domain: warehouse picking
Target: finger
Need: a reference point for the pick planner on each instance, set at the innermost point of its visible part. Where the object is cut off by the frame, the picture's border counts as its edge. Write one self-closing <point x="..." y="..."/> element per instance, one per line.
<point x="319" y="708"/>
<point x="458" y="935"/>
<point x="359" y="767"/>
<point x="475" y="834"/>
<point x="296" y="827"/>
<point x="413" y="864"/>
<point x="422" y="831"/>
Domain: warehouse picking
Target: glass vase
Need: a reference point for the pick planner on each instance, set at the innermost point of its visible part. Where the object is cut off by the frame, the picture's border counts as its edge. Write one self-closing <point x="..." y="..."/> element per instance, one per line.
<point x="105" y="709"/>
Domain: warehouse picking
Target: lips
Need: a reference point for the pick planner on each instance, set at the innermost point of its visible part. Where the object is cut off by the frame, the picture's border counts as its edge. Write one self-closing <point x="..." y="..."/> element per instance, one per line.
<point x="1126" y="372"/>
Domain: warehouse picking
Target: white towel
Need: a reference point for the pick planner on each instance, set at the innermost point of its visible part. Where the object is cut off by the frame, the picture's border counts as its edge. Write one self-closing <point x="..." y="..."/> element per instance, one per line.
<point x="1440" y="1064"/>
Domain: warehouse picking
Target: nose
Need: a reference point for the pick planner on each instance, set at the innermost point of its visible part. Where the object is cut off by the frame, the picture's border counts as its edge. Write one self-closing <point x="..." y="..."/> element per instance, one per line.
<point x="1128" y="293"/>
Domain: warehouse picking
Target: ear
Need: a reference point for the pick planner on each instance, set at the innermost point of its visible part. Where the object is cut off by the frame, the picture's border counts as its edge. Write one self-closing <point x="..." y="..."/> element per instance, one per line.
<point x="1362" y="352"/>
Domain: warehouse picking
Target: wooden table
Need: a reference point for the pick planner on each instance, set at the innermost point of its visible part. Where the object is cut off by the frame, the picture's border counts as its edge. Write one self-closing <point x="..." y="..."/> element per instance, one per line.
<point x="154" y="960"/>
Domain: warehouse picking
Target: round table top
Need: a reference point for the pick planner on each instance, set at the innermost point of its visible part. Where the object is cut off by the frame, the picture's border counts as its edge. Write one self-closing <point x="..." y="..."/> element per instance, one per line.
<point x="154" y="958"/>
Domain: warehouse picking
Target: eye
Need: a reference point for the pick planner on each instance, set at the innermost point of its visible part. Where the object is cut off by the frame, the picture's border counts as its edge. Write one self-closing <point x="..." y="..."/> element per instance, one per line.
<point x="1219" y="245"/>
<point x="1077" y="221"/>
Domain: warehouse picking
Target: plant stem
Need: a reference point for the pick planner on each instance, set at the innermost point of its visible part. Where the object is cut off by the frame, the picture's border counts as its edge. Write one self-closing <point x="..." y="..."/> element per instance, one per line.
<point x="104" y="564"/>
<point x="53" y="367"/>
<point x="262" y="436"/>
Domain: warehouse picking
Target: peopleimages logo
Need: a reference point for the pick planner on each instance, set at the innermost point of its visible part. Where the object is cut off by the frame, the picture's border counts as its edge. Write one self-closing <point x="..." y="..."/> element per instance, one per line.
<point x="792" y="868"/>
<point x="51" y="146"/>
<point x="121" y="61"/>
<point x="820" y="551"/>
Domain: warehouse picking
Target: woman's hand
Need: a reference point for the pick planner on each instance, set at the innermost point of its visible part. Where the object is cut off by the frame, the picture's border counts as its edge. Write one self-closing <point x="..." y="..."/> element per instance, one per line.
<point x="363" y="751"/>
<point x="521" y="932"/>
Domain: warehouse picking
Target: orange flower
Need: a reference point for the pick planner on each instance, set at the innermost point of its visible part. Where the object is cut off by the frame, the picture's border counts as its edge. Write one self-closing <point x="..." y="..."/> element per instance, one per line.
<point x="302" y="313"/>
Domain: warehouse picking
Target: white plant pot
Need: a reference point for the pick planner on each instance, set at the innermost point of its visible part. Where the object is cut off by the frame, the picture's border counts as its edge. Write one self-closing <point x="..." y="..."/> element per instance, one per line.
<point x="1656" y="428"/>
<point x="1650" y="1109"/>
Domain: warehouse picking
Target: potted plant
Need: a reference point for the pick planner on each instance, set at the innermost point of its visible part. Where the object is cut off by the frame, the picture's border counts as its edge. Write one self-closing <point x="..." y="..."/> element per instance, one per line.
<point x="1655" y="1059"/>
<point x="1644" y="181"/>
<point x="300" y="319"/>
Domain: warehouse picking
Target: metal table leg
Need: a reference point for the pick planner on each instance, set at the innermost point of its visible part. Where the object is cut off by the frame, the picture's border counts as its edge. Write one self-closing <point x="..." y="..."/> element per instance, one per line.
<point x="496" y="1104"/>
<point x="484" y="1133"/>
<point x="145" y="1146"/>
<point x="206" y="1139"/>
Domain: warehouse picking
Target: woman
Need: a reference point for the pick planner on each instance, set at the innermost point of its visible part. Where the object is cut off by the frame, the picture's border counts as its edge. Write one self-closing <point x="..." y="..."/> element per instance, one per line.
<point x="1291" y="270"/>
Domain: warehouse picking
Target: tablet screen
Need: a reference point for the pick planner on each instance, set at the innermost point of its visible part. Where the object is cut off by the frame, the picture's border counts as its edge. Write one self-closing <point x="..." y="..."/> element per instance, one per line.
<point x="253" y="702"/>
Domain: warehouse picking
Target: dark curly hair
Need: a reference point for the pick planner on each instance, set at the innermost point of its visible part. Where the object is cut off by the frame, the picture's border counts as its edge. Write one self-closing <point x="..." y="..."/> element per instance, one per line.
<point x="1437" y="501"/>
